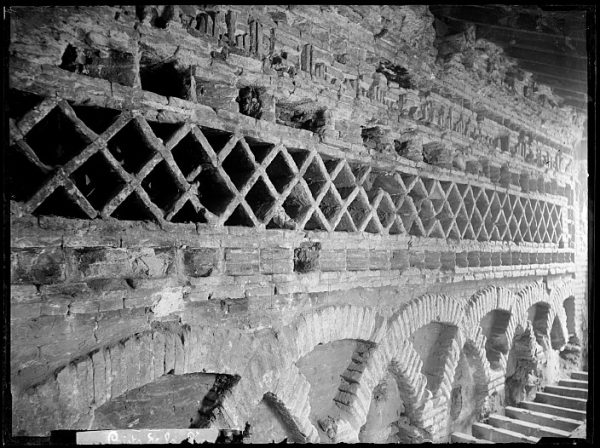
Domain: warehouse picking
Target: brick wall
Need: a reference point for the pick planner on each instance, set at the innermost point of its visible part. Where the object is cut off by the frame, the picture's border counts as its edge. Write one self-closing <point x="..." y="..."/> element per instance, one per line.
<point x="223" y="188"/>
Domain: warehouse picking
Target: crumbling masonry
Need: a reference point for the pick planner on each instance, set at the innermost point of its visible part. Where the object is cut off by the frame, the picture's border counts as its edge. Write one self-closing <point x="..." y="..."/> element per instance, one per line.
<point x="323" y="221"/>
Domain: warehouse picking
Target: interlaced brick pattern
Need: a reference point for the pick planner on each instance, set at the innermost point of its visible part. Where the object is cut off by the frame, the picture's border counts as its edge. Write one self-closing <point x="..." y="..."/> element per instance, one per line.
<point x="90" y="162"/>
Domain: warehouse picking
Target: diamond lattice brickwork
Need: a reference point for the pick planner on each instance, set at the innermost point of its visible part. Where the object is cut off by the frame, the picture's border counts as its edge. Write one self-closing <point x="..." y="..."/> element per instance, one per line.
<point x="132" y="168"/>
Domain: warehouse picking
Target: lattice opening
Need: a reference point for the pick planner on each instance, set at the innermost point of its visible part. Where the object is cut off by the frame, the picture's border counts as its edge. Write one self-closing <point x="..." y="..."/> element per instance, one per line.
<point x="55" y="139"/>
<point x="19" y="103"/>
<point x="133" y="209"/>
<point x="314" y="178"/>
<point x="345" y="224"/>
<point x="426" y="214"/>
<point x="161" y="186"/>
<point x="259" y="199"/>
<point x="446" y="218"/>
<point x="359" y="210"/>
<point x="280" y="173"/>
<point x="238" y="166"/>
<point x="299" y="156"/>
<point x="315" y="222"/>
<point x="372" y="226"/>
<point x="97" y="181"/>
<point x="217" y="139"/>
<point x="345" y="182"/>
<point x="239" y="217"/>
<point x="24" y="177"/>
<point x="386" y="212"/>
<point x="329" y="205"/>
<point x="190" y="157"/>
<point x="397" y="228"/>
<point x="98" y="119"/>
<point x="259" y="149"/>
<point x="213" y="191"/>
<point x="462" y="219"/>
<point x="130" y="149"/>
<point x="164" y="131"/>
<point x="59" y="203"/>
<point x="418" y="191"/>
<point x="297" y="204"/>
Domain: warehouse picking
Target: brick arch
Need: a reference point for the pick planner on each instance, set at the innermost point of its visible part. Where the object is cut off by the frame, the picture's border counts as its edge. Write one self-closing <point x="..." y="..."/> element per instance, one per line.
<point x="536" y="294"/>
<point x="272" y="371"/>
<point x="484" y="301"/>
<point x="90" y="381"/>
<point x="558" y="294"/>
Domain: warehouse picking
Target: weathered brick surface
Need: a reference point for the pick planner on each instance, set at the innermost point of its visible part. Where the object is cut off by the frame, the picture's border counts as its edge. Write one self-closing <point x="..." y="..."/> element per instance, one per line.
<point x="102" y="307"/>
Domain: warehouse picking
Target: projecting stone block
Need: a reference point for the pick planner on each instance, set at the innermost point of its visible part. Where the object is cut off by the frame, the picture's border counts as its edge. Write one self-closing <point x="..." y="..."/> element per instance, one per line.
<point x="200" y="262"/>
<point x="39" y="266"/>
<point x="378" y="259"/>
<point x="306" y="257"/>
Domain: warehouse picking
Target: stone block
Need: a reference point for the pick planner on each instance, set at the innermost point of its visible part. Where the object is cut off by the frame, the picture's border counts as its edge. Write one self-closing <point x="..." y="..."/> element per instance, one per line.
<point x="276" y="260"/>
<point x="357" y="259"/>
<point x="38" y="265"/>
<point x="201" y="262"/>
<point x="379" y="260"/>
<point x="332" y="260"/>
<point x="242" y="261"/>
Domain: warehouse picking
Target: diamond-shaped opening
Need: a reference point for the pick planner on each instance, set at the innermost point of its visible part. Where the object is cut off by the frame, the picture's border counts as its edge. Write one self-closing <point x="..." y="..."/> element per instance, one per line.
<point x="19" y="103"/>
<point x="279" y="173"/>
<point x="315" y="223"/>
<point x="469" y="201"/>
<point x="133" y="209"/>
<point x="97" y="181"/>
<point x="299" y="156"/>
<point x="59" y="203"/>
<point x="130" y="148"/>
<point x="386" y="212"/>
<point x="372" y="226"/>
<point x="189" y="155"/>
<point x="345" y="224"/>
<point x="98" y="119"/>
<point x="55" y="139"/>
<point x="239" y="217"/>
<point x="345" y="182"/>
<point x="426" y="213"/>
<point x="446" y="186"/>
<point x="482" y="204"/>
<point x="397" y="228"/>
<point x="259" y="149"/>
<point x="23" y="177"/>
<point x="418" y="191"/>
<point x="188" y="213"/>
<point x="416" y="229"/>
<point x="407" y="212"/>
<point x="281" y="220"/>
<point x="528" y="209"/>
<point x="164" y="131"/>
<point x="213" y="191"/>
<point x="161" y="187"/>
<point x="259" y="199"/>
<point x="358" y="210"/>
<point x="314" y="178"/>
<point x="329" y="205"/>
<point x="494" y="235"/>
<point x="216" y="138"/>
<point x="297" y="203"/>
<point x="501" y="223"/>
<point x="454" y="199"/>
<point x="516" y="208"/>
<point x="238" y="166"/>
